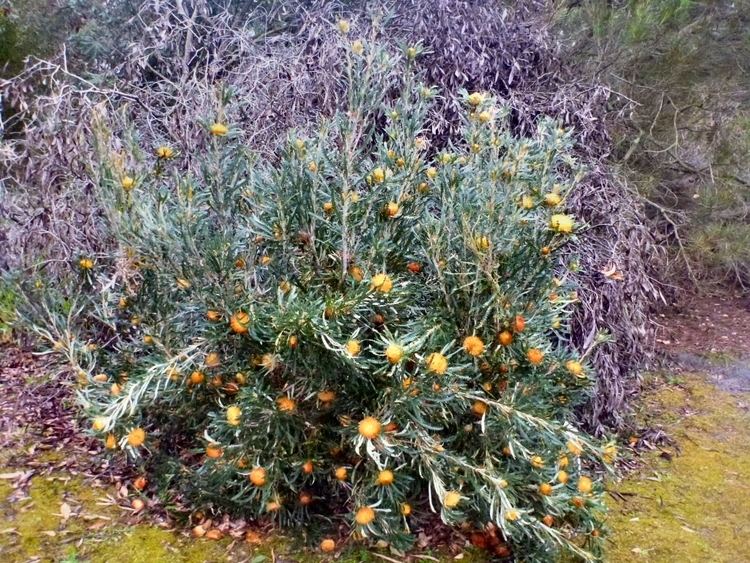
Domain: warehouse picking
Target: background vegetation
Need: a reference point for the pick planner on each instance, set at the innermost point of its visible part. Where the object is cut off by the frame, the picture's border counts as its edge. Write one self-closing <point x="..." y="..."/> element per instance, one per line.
<point x="682" y="129"/>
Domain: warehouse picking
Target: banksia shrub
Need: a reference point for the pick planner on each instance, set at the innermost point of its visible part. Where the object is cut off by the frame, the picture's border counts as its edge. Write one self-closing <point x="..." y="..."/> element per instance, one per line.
<point x="355" y="328"/>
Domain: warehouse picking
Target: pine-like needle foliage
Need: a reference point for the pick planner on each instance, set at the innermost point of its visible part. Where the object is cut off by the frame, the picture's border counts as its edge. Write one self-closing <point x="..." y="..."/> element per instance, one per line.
<point x="358" y="329"/>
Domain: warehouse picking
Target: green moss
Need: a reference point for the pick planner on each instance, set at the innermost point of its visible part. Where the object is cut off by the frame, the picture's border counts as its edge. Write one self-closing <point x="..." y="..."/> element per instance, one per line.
<point x="694" y="507"/>
<point x="147" y="544"/>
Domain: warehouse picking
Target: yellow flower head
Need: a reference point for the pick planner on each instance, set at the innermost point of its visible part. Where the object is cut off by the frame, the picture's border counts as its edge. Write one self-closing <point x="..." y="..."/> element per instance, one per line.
<point x="574" y="367"/>
<point x="212" y="360"/>
<point x="527" y="202"/>
<point x="343" y="26"/>
<point x="286" y="404"/>
<point x="258" y="476"/>
<point x="378" y="175"/>
<point x="535" y="356"/>
<point x="354" y="347"/>
<point x="512" y="515"/>
<point x="451" y="499"/>
<point x="562" y="223"/>
<point x="437" y="363"/>
<point x="136" y="437"/>
<point x="392" y="209"/>
<point x="100" y="423"/>
<point x="357" y="47"/>
<point x="385" y="478"/>
<point x="485" y="117"/>
<point x="411" y="53"/>
<point x="482" y="243"/>
<point x="350" y="195"/>
<point x="475" y="99"/>
<point x="394" y="353"/>
<point x="382" y="283"/>
<point x="239" y="322"/>
<point x="574" y="447"/>
<point x="505" y="338"/>
<point x="356" y="273"/>
<point x="326" y="396"/>
<point x="431" y="173"/>
<point x="86" y="263"/>
<point x="127" y="183"/>
<point x="537" y="461"/>
<point x="233" y="415"/>
<point x="312" y="166"/>
<point x="585" y="485"/>
<point x="552" y="199"/>
<point x="479" y="408"/>
<point x="218" y="129"/>
<point x="164" y="152"/>
<point x="369" y="427"/>
<point x="364" y="516"/>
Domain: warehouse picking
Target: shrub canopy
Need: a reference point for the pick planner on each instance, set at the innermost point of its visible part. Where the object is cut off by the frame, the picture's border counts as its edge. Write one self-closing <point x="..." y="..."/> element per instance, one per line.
<point x="349" y="328"/>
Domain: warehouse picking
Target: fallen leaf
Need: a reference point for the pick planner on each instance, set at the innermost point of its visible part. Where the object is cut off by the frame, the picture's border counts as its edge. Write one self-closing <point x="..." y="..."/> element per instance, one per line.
<point x="65" y="511"/>
<point x="610" y="271"/>
<point x="95" y="517"/>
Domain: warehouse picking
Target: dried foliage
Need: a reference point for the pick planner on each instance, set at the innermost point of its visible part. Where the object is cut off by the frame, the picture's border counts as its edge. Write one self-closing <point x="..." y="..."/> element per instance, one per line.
<point x="281" y="64"/>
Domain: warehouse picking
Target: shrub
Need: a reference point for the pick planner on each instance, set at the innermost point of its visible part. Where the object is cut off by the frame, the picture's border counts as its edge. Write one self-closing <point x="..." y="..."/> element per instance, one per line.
<point x="283" y="64"/>
<point x="350" y="328"/>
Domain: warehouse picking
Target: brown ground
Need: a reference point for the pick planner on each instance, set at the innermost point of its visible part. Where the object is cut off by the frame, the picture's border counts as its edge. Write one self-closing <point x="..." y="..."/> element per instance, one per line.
<point x="705" y="325"/>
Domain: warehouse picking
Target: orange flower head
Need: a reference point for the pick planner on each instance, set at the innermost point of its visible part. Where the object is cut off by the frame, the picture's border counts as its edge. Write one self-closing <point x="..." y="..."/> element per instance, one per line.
<point x="369" y="427"/>
<point x="473" y="346"/>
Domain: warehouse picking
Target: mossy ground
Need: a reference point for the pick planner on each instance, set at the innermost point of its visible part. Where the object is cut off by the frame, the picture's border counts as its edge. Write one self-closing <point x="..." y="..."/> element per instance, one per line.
<point x="97" y="533"/>
<point x="693" y="506"/>
<point x="688" y="506"/>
